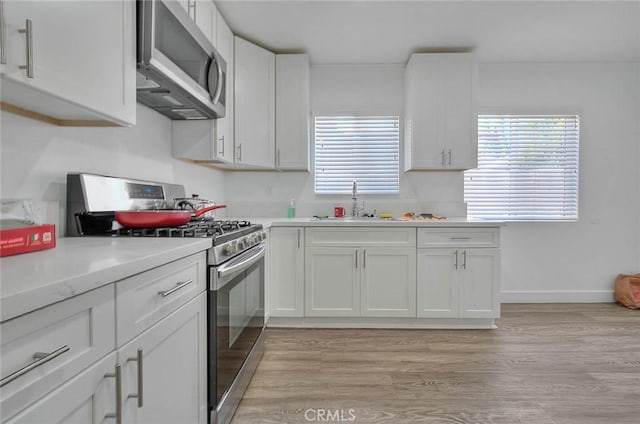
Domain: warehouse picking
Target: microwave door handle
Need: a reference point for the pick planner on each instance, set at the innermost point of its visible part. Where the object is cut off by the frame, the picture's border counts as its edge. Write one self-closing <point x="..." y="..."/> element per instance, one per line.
<point x="218" y="93"/>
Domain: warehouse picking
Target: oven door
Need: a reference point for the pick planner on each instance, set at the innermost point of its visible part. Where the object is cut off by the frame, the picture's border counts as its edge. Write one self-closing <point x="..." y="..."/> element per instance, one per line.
<point x="236" y="317"/>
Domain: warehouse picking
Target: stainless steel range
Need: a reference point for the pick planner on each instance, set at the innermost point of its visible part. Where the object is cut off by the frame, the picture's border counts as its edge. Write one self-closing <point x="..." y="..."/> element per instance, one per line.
<point x="97" y="205"/>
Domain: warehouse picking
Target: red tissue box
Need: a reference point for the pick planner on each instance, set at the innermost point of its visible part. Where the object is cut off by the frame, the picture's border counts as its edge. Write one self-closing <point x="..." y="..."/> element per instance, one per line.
<point x="27" y="239"/>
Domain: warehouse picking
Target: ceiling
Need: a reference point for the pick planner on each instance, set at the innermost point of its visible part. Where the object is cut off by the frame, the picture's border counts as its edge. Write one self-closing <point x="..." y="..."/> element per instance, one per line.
<point x="374" y="31"/>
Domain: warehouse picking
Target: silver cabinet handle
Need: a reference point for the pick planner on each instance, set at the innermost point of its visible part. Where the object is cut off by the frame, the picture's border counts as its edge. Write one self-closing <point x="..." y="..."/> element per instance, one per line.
<point x="221" y="143"/>
<point x="139" y="395"/>
<point x="166" y="293"/>
<point x="40" y="358"/>
<point x="356" y="259"/>
<point x="3" y="53"/>
<point x="464" y="259"/>
<point x="278" y="158"/>
<point x="364" y="258"/>
<point x="442" y="157"/>
<point x="456" y="254"/>
<point x="193" y="5"/>
<point x="28" y="30"/>
<point x="298" y="238"/>
<point x="118" y="376"/>
<point x="239" y="153"/>
<point x="449" y="156"/>
<point x="459" y="238"/>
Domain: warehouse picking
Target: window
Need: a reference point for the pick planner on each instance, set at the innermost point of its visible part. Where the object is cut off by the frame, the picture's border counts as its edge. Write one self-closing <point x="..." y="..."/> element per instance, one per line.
<point x="527" y="168"/>
<point x="361" y="148"/>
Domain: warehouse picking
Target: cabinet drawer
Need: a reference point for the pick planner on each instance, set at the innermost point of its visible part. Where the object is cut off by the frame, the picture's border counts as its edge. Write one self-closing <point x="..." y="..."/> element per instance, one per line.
<point x="357" y="237"/>
<point x="74" y="334"/>
<point x="146" y="298"/>
<point x="459" y="237"/>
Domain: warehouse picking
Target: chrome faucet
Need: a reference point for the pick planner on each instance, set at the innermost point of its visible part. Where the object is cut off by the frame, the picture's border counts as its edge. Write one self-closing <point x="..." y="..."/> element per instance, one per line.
<point x="354" y="197"/>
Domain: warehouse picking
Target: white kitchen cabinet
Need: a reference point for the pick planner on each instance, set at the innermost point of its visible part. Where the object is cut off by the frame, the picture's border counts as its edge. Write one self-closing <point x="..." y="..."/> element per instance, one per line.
<point x="457" y="278"/>
<point x="161" y="312"/>
<point x="78" y="76"/>
<point x="440" y="125"/>
<point x="388" y="282"/>
<point x="88" y="398"/>
<point x="332" y="282"/>
<point x="286" y="278"/>
<point x="437" y="283"/>
<point x="479" y="283"/>
<point x="72" y="335"/>
<point x="168" y="364"/>
<point x="203" y="13"/>
<point x="254" y="109"/>
<point x="224" y="126"/>
<point x="368" y="272"/>
<point x="210" y="141"/>
<point x="292" y="112"/>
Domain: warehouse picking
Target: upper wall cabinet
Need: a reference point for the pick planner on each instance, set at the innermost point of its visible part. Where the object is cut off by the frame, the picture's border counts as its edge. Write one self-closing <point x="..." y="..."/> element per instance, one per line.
<point x="292" y="112"/>
<point x="254" y="118"/>
<point x="85" y="72"/>
<point x="440" y="129"/>
<point x="210" y="141"/>
<point x="204" y="13"/>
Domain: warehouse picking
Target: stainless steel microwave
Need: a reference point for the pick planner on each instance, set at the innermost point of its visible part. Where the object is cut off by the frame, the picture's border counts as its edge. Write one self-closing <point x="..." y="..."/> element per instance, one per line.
<point x="179" y="72"/>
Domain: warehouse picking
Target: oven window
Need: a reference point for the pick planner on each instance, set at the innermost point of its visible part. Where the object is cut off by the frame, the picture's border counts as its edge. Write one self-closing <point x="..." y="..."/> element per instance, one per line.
<point x="239" y="321"/>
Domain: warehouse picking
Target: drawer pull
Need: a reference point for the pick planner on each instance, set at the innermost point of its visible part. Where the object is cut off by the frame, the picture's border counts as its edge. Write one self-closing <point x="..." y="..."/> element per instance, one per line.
<point x="39" y="359"/>
<point x="175" y="289"/>
<point x="118" y="376"/>
<point x="460" y="238"/>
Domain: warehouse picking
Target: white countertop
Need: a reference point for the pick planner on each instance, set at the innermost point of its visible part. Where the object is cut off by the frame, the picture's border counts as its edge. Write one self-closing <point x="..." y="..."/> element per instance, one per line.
<point x="371" y="222"/>
<point x="79" y="264"/>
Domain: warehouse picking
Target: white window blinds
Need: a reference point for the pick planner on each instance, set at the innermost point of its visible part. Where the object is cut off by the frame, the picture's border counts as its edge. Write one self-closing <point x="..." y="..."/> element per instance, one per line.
<point x="527" y="168"/>
<point x="361" y="148"/>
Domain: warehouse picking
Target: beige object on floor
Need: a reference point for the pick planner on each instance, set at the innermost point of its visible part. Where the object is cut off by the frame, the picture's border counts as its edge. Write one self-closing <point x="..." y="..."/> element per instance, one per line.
<point x="627" y="290"/>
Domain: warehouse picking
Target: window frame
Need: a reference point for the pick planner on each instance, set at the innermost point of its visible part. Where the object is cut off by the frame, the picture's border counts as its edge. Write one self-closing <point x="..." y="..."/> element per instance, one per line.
<point x="529" y="216"/>
<point x="362" y="185"/>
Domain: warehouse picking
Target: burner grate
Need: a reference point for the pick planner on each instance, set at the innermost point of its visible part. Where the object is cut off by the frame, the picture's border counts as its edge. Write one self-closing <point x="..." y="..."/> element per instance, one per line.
<point x="196" y="228"/>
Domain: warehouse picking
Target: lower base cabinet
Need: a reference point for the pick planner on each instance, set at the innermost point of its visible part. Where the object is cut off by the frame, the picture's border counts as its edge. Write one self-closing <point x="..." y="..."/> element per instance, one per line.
<point x="169" y="384"/>
<point x="458" y="283"/>
<point x="88" y="398"/>
<point x="166" y="383"/>
<point x="367" y="282"/>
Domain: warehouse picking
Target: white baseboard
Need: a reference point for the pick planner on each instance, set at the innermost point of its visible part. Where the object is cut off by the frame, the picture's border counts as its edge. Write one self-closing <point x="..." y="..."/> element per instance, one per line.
<point x="556" y="296"/>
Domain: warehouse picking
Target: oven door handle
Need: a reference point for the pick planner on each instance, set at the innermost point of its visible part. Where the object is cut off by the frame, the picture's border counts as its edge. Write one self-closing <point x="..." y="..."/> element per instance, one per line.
<point x="232" y="266"/>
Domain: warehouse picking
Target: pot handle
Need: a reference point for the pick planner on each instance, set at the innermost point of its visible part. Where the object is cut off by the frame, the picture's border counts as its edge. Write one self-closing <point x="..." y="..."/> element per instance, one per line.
<point x="207" y="209"/>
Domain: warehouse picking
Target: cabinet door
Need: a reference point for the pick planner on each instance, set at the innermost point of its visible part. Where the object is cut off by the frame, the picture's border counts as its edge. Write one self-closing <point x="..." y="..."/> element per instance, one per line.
<point x="205" y="16"/>
<point x="83" y="72"/>
<point x="456" y="98"/>
<point x="437" y="283"/>
<point x="439" y="112"/>
<point x="224" y="126"/>
<point x="292" y="112"/>
<point x="173" y="369"/>
<point x="332" y="284"/>
<point x="479" y="280"/>
<point x="85" y="399"/>
<point x="423" y="142"/>
<point x="286" y="282"/>
<point x="254" y="122"/>
<point x="389" y="282"/>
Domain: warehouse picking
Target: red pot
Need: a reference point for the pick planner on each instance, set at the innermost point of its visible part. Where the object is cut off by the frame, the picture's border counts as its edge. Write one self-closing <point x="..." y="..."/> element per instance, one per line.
<point x="160" y="218"/>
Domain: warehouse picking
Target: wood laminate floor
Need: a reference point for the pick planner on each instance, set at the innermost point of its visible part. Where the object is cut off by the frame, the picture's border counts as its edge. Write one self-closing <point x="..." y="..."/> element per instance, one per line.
<point x="544" y="364"/>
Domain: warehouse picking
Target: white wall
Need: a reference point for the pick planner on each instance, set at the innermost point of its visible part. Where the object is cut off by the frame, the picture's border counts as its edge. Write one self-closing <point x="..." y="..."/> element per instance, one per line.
<point x="575" y="261"/>
<point x="36" y="157"/>
<point x="357" y="89"/>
